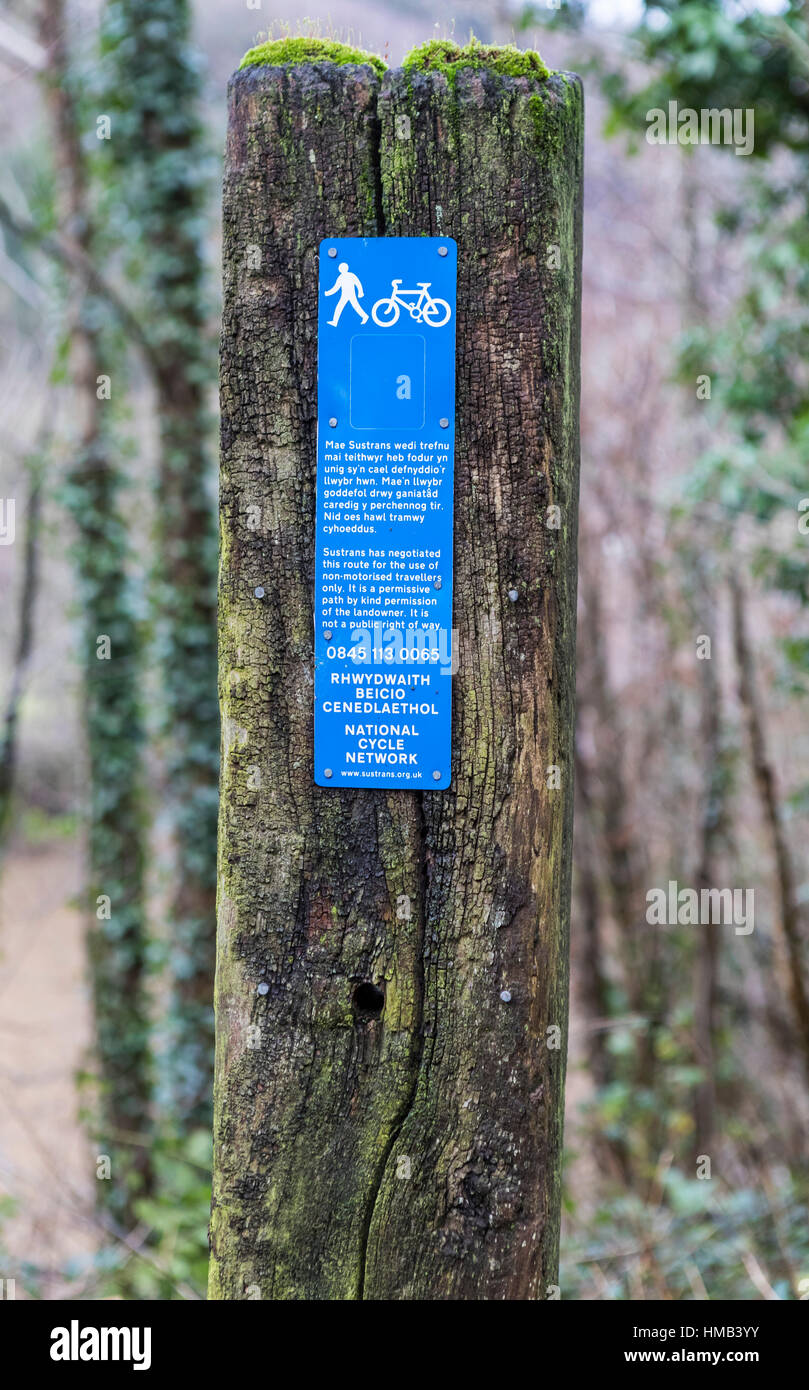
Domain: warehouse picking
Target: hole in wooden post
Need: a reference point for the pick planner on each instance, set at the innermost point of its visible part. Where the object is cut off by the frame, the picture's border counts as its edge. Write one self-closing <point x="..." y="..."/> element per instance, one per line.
<point x="368" y="1000"/>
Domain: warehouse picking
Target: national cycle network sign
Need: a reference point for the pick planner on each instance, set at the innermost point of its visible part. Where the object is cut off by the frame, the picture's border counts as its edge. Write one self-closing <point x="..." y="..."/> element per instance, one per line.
<point x="385" y="453"/>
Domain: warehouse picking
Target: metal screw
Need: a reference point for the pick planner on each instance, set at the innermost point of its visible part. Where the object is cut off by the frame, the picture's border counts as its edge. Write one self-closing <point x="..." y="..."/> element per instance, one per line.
<point x="332" y="251"/>
<point x="263" y="989"/>
<point x="258" y="591"/>
<point x="436" y="776"/>
<point x="444" y="422"/>
<point x="328" y="635"/>
<point x="327" y="772"/>
<point x="513" y="595"/>
<point x="332" y="420"/>
<point x="437" y="583"/>
<point x="442" y="250"/>
<point x="505" y="995"/>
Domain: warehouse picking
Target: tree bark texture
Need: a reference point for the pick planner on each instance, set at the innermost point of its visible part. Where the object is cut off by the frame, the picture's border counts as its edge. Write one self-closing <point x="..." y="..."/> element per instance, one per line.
<point x="412" y="1153"/>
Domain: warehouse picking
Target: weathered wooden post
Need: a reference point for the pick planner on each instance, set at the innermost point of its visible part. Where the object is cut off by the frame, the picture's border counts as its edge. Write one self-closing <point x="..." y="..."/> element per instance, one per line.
<point x="392" y="968"/>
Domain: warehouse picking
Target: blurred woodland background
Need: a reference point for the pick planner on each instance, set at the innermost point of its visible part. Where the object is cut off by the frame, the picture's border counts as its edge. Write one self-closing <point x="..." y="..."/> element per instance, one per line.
<point x="687" y="1043"/>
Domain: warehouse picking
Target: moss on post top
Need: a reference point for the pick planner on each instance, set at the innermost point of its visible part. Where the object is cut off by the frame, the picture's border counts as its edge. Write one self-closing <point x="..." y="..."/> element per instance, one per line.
<point x="438" y="55"/>
<point x="441" y="55"/>
<point x="283" y="52"/>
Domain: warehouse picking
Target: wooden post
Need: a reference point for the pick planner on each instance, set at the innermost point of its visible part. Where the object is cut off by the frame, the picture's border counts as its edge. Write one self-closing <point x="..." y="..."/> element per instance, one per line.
<point x="414" y="1152"/>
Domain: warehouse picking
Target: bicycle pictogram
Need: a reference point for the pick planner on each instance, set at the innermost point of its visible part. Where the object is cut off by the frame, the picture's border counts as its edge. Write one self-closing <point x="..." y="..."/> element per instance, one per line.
<point x="425" y="309"/>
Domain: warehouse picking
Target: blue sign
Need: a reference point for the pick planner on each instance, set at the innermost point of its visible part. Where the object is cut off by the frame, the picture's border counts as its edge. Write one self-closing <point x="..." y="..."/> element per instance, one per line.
<point x="383" y="571"/>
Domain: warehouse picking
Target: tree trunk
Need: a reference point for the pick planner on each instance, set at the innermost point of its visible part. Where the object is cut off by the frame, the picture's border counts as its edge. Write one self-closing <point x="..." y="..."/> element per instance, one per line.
<point x="410" y="1151"/>
<point x="594" y="983"/>
<point x="713" y="835"/>
<point x="702" y="579"/>
<point x="117" y="941"/>
<point x="764" y="776"/>
<point x="159" y="144"/>
<point x="23" y="646"/>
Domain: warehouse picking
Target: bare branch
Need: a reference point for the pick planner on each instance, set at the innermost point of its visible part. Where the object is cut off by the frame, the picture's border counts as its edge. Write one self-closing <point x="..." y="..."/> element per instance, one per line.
<point x="70" y="255"/>
<point x="19" y="50"/>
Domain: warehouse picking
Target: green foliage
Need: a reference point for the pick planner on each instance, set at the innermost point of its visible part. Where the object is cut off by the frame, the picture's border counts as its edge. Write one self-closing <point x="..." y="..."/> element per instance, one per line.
<point x="566" y="15"/>
<point x="168" y="1258"/>
<point x="694" y="1239"/>
<point x="161" y="175"/>
<point x="647" y="1103"/>
<point x="177" y="1218"/>
<point x="657" y="1228"/>
<point x="283" y="52"/>
<point x="117" y="943"/>
<point x="26" y="1274"/>
<point x="703" y="54"/>
<point x="702" y="50"/>
<point x="38" y="827"/>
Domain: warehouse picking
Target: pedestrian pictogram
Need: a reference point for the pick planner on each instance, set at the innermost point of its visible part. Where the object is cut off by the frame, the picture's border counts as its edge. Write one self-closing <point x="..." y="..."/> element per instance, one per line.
<point x="350" y="287"/>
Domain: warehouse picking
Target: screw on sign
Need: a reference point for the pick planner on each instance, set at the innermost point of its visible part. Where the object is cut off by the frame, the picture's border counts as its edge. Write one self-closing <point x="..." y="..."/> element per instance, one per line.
<point x="398" y="518"/>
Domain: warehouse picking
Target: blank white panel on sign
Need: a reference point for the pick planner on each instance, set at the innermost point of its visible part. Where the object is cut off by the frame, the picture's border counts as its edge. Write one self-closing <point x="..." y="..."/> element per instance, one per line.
<point x="388" y="381"/>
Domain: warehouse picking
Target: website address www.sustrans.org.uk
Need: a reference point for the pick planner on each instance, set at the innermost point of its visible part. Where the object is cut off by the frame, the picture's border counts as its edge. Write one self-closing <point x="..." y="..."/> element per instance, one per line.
<point x="402" y="775"/>
<point x="712" y="1358"/>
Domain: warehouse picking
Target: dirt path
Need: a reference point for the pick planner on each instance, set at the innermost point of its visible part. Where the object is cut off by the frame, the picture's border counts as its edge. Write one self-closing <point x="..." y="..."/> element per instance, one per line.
<point x="46" y="1166"/>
